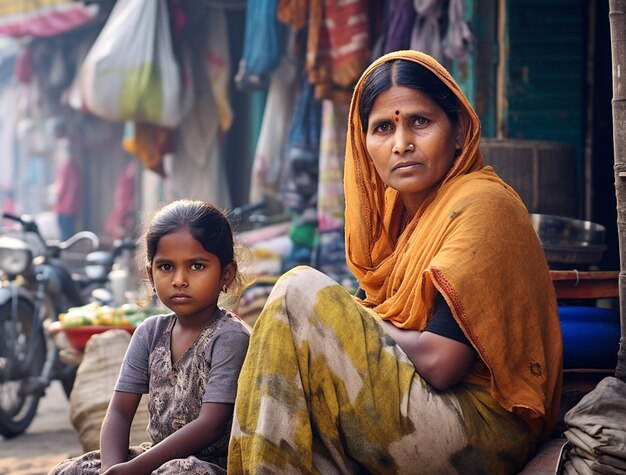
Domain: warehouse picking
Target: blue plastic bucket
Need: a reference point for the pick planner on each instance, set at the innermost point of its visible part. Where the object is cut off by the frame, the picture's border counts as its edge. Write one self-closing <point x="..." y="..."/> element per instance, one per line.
<point x="590" y="337"/>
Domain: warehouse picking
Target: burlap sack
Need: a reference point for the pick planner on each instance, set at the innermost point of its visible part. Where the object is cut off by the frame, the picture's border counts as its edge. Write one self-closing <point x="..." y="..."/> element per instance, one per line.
<point x="94" y="385"/>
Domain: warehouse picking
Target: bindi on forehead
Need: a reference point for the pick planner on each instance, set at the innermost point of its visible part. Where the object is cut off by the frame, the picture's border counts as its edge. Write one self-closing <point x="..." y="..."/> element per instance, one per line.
<point x="397" y="115"/>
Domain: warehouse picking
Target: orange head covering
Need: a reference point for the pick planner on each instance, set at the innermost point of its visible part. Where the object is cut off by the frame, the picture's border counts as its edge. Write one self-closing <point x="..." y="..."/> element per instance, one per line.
<point x="472" y="241"/>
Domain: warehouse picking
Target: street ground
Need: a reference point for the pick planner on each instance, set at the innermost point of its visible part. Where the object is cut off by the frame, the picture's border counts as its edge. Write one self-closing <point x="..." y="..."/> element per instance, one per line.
<point x="49" y="440"/>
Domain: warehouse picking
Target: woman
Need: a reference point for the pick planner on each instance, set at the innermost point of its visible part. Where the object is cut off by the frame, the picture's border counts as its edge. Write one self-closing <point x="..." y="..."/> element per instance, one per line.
<point x="451" y="361"/>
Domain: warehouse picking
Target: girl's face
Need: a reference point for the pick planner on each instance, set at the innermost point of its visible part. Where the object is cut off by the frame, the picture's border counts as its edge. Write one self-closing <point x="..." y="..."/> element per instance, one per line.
<point x="188" y="279"/>
<point x="411" y="142"/>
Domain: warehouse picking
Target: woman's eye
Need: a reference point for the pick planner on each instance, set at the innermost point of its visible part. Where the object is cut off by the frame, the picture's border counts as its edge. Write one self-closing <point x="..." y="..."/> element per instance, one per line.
<point x="382" y="127"/>
<point x="197" y="266"/>
<point x="420" y="121"/>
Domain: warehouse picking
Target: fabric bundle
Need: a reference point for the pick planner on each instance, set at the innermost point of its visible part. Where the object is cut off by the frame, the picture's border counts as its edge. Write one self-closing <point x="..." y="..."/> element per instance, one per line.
<point x="597" y="431"/>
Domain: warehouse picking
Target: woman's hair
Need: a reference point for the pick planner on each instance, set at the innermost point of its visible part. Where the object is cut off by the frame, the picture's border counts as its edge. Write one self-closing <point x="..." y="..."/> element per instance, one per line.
<point x="409" y="74"/>
<point x="206" y="224"/>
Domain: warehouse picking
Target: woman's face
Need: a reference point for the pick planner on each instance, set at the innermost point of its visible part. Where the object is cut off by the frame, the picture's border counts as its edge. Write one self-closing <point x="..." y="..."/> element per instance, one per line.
<point x="411" y="142"/>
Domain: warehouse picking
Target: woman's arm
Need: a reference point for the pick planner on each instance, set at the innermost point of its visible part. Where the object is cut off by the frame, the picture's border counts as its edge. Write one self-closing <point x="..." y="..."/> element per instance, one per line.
<point x="441" y="361"/>
<point x="190" y="439"/>
<point x="115" y="432"/>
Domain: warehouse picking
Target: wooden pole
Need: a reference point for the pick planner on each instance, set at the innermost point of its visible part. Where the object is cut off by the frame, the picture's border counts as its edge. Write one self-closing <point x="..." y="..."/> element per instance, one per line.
<point x="617" y="22"/>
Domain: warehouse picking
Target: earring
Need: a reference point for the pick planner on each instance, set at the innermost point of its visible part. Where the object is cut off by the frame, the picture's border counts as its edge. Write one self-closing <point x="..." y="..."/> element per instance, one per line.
<point x="154" y="290"/>
<point x="224" y="288"/>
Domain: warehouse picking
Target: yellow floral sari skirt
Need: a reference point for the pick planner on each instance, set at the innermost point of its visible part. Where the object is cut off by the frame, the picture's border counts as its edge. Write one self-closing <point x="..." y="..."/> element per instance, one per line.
<point x="325" y="390"/>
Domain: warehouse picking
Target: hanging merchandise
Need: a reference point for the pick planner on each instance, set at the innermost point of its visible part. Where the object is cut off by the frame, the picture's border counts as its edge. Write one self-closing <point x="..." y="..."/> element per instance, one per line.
<point x="459" y="36"/>
<point x="130" y="72"/>
<point x="329" y="254"/>
<point x="216" y="56"/>
<point x="148" y="142"/>
<point x="298" y="183"/>
<point x="203" y="182"/>
<point x="426" y="34"/>
<point x="270" y="149"/>
<point x="197" y="166"/>
<point x="338" y="47"/>
<point x="401" y="19"/>
<point x="263" y="44"/>
<point x="330" y="196"/>
<point x="199" y="131"/>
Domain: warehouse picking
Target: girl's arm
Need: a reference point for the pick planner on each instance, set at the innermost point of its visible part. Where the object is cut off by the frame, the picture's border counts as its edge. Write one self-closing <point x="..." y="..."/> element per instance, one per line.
<point x="441" y="361"/>
<point x="188" y="440"/>
<point x="115" y="432"/>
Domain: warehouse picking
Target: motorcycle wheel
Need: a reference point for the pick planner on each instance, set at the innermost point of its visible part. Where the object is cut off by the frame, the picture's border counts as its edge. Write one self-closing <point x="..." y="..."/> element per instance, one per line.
<point x="18" y="396"/>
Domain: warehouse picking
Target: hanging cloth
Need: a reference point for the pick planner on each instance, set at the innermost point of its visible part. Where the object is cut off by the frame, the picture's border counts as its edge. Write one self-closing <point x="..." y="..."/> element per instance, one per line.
<point x="338" y="48"/>
<point x="426" y="34"/>
<point x="212" y="114"/>
<point x="330" y="197"/>
<point x="459" y="36"/>
<point x="270" y="150"/>
<point x="263" y="44"/>
<point x="401" y="19"/>
<point x="149" y="142"/>
<point x="188" y="179"/>
<point x="300" y="173"/>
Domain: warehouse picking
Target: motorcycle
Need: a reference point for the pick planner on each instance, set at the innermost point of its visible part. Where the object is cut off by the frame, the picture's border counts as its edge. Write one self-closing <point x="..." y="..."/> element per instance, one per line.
<point x="106" y="279"/>
<point x="35" y="287"/>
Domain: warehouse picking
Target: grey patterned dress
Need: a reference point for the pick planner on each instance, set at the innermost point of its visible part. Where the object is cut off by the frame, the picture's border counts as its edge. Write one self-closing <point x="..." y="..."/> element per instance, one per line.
<point x="206" y="372"/>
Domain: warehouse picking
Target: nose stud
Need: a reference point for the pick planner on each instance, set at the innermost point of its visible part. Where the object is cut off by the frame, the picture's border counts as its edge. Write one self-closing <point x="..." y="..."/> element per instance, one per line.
<point x="410" y="147"/>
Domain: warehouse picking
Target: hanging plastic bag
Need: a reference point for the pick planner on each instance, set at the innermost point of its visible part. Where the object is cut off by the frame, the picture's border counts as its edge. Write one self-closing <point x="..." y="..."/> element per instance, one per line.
<point x="130" y="72"/>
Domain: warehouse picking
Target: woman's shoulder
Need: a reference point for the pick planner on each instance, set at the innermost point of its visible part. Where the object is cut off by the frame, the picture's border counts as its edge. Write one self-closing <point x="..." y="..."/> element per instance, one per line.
<point x="483" y="189"/>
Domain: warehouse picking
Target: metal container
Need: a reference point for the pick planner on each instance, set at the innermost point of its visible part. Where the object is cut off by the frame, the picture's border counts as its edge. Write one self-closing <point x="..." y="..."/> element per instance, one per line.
<point x="569" y="241"/>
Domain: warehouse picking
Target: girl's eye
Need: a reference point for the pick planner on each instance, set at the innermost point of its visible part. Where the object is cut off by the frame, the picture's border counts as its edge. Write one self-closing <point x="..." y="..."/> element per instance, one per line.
<point x="420" y="121"/>
<point x="197" y="266"/>
<point x="165" y="267"/>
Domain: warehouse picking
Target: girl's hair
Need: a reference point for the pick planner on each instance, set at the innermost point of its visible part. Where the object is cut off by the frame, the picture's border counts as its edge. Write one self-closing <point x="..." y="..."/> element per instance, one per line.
<point x="206" y="224"/>
<point x="406" y="73"/>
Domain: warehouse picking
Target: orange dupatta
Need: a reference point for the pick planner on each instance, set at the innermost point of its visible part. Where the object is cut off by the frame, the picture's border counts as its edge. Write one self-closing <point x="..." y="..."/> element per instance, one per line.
<point x="472" y="241"/>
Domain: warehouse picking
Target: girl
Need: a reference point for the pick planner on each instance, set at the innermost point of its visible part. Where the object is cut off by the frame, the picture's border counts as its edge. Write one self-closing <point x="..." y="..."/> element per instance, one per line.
<point x="188" y="361"/>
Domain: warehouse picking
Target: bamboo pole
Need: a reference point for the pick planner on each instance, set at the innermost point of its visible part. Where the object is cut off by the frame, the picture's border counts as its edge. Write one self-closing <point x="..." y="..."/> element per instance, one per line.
<point x="617" y="21"/>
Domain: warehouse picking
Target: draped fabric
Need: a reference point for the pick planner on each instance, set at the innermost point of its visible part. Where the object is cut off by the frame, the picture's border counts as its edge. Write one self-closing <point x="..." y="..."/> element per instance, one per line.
<point x="324" y="390"/>
<point x="472" y="241"/>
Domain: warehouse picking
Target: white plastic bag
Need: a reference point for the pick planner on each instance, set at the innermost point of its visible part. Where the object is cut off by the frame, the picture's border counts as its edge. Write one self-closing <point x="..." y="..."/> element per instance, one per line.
<point x="130" y="72"/>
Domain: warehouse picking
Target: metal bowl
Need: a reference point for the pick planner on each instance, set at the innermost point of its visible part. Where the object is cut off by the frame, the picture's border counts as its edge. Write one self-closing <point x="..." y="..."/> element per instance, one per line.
<point x="569" y="241"/>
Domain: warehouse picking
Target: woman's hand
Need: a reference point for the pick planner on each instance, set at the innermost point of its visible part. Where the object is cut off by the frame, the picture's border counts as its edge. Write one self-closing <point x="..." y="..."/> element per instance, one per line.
<point x="441" y="361"/>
